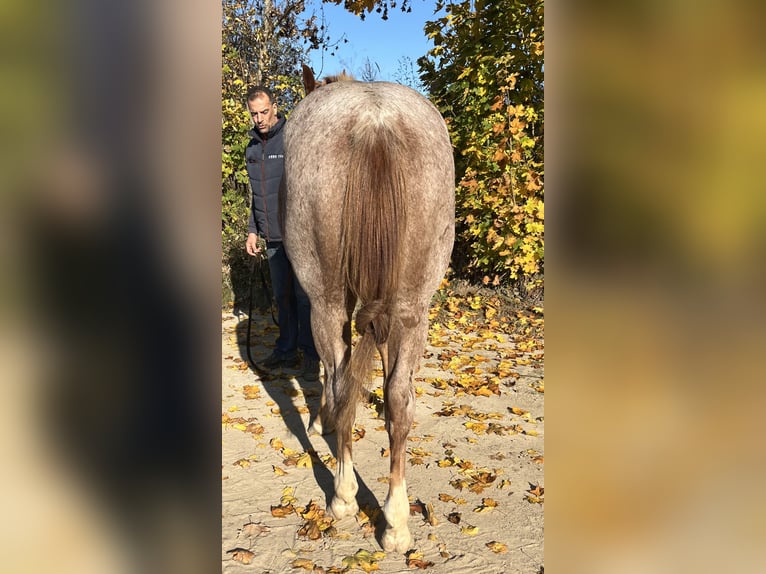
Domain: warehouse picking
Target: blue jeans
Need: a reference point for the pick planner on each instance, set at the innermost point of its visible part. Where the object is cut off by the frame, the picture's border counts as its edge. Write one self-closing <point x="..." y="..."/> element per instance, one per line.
<point x="293" y="306"/>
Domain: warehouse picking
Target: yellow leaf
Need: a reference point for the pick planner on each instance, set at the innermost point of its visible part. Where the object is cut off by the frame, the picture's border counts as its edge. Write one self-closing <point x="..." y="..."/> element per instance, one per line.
<point x="303" y="563"/>
<point x="431" y="515"/>
<point x="276" y="444"/>
<point x="282" y="511"/>
<point x="469" y="530"/>
<point x="478" y="428"/>
<point x="497" y="547"/>
<point x="304" y="461"/>
<point x="278" y="471"/>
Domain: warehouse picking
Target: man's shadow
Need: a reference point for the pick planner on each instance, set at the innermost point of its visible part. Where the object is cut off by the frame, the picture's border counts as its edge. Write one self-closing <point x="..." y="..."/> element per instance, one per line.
<point x="279" y="385"/>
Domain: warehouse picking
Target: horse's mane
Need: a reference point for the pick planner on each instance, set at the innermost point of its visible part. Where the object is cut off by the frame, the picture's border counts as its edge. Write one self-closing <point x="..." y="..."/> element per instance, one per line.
<point x="311" y="84"/>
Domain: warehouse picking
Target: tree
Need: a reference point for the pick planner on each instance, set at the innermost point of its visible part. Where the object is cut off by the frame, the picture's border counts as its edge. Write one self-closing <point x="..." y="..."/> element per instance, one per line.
<point x="485" y="74"/>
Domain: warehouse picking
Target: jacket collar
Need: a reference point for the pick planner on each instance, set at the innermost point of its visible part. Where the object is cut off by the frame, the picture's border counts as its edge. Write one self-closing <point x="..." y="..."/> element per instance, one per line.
<point x="276" y="128"/>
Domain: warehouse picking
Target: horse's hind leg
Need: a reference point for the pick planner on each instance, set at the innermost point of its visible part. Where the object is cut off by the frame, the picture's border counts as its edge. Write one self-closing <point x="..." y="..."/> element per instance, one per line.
<point x="400" y="410"/>
<point x="331" y="327"/>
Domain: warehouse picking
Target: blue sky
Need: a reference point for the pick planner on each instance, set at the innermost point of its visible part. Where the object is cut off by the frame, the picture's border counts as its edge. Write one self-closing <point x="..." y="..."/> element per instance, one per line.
<point x="384" y="42"/>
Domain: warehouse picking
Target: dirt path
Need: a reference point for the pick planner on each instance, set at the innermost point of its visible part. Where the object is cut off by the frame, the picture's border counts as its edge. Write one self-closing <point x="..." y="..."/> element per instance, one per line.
<point x="475" y="459"/>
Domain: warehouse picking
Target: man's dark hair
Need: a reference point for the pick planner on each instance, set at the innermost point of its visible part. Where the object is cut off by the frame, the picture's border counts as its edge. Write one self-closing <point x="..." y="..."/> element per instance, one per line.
<point x="255" y="91"/>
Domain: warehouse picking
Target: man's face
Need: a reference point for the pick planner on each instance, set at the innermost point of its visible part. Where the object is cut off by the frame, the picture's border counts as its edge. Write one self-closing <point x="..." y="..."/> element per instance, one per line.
<point x="263" y="112"/>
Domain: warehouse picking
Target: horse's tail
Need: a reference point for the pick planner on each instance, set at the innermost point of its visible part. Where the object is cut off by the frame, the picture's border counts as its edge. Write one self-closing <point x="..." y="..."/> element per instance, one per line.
<point x="374" y="221"/>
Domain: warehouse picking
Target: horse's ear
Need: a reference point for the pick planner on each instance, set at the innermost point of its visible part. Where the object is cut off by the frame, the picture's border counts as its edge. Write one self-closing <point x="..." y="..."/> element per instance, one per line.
<point x="309" y="83"/>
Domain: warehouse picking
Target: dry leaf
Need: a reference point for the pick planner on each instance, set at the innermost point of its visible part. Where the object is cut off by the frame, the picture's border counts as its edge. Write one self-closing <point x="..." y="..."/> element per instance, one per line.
<point x="276" y="444"/>
<point x="431" y="515"/>
<point x="415" y="560"/>
<point x="469" y="530"/>
<point x="304" y="563"/>
<point x="282" y="511"/>
<point x="242" y="555"/>
<point x="254" y="529"/>
<point x="364" y="560"/>
<point x="497" y="547"/>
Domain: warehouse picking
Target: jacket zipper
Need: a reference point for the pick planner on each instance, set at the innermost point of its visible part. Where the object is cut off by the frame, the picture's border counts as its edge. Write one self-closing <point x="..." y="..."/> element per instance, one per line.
<point x="263" y="185"/>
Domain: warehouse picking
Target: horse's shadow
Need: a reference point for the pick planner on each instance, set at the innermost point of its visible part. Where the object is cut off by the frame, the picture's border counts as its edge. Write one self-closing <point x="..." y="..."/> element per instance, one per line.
<point x="279" y="385"/>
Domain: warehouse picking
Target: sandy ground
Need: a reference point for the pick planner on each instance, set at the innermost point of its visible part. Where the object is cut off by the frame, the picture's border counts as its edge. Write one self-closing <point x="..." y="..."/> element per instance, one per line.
<point x="475" y="470"/>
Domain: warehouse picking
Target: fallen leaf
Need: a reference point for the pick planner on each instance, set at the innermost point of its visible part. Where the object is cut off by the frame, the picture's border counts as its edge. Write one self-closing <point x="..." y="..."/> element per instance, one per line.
<point x="304" y="563"/>
<point x="358" y="434"/>
<point x="487" y="504"/>
<point x="431" y="515"/>
<point x="254" y="529"/>
<point x="364" y="560"/>
<point x="304" y="461"/>
<point x="415" y="560"/>
<point x="241" y="555"/>
<point x="454" y="517"/>
<point x="417" y="508"/>
<point x="469" y="530"/>
<point x="276" y="444"/>
<point x="497" y="547"/>
<point x="282" y="511"/>
<point x="536" y="489"/>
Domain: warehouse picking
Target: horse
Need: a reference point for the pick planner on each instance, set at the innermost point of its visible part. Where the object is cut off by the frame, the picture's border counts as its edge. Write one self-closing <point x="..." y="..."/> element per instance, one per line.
<point x="368" y="210"/>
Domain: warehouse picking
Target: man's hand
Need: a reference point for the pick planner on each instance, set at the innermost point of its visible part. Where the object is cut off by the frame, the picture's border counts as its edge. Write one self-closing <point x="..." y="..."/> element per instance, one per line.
<point x="251" y="246"/>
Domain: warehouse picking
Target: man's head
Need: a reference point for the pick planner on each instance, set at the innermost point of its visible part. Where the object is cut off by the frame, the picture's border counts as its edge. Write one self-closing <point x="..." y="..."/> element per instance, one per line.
<point x="262" y="108"/>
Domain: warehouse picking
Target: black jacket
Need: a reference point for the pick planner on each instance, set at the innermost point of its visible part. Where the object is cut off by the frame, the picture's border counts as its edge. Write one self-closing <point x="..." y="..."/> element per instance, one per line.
<point x="265" y="159"/>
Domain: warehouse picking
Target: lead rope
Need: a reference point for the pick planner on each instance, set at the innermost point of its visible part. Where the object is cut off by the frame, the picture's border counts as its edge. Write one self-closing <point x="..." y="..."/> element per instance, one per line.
<point x="258" y="261"/>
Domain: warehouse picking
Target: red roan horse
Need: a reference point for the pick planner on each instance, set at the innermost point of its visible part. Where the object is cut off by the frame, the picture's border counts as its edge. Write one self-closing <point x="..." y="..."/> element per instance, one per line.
<point x="369" y="219"/>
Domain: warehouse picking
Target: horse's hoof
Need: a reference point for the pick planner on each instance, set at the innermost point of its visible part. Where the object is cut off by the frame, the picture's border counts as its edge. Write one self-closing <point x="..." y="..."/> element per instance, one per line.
<point x="396" y="540"/>
<point x="340" y="509"/>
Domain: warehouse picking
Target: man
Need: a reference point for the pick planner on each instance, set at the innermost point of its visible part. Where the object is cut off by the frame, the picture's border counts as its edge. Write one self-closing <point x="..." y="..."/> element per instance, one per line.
<point x="265" y="156"/>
